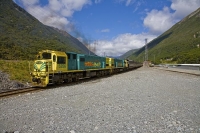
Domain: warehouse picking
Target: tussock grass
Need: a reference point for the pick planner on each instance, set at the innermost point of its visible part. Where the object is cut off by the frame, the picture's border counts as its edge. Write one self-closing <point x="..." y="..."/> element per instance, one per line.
<point x="17" y="69"/>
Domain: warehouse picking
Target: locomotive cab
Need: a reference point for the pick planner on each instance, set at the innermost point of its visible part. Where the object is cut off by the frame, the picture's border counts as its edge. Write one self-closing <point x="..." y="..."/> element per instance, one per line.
<point x="126" y="64"/>
<point x="47" y="64"/>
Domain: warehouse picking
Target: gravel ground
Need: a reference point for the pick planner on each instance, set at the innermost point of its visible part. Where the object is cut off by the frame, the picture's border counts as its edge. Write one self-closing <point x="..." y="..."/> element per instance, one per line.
<point x="7" y="84"/>
<point x="141" y="101"/>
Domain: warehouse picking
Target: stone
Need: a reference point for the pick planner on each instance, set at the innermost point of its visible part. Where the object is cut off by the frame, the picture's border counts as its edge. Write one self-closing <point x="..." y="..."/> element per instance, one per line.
<point x="179" y="129"/>
<point x="72" y="131"/>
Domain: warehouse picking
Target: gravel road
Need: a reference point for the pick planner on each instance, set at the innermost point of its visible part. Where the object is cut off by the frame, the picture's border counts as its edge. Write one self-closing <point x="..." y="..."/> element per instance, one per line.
<point x="141" y="101"/>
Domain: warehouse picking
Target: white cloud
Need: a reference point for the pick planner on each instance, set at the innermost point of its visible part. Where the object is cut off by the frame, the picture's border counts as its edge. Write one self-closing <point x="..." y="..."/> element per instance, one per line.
<point x="105" y="30"/>
<point x="71" y="6"/>
<point x="160" y="21"/>
<point x="97" y="1"/>
<point x="128" y="2"/>
<point x="122" y="44"/>
<point x="184" y="7"/>
<point x="56" y="13"/>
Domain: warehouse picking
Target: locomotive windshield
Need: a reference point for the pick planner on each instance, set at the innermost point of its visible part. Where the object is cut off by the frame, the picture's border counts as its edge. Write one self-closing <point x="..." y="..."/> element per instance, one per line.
<point x="46" y="55"/>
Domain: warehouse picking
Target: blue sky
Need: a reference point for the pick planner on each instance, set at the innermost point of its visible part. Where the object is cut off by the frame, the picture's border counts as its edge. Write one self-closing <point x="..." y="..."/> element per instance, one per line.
<point x="113" y="27"/>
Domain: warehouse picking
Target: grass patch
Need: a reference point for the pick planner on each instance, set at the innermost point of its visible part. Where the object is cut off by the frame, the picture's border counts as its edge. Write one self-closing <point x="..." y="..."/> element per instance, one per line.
<point x="17" y="69"/>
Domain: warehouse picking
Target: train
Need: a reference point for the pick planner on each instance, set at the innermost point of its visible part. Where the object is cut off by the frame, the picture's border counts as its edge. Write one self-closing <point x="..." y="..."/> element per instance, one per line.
<point x="57" y="67"/>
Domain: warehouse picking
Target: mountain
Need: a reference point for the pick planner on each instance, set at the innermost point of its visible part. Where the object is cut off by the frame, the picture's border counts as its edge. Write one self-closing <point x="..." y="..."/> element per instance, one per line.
<point x="128" y="54"/>
<point x="179" y="44"/>
<point x="22" y="35"/>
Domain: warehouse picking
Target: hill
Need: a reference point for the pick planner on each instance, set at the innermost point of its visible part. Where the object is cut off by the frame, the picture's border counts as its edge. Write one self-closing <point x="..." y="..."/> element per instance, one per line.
<point x="179" y="44"/>
<point x="22" y="35"/>
<point x="128" y="54"/>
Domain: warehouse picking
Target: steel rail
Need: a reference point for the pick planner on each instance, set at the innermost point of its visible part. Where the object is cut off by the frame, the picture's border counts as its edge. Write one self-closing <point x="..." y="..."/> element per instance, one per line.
<point x="18" y="91"/>
<point x="32" y="89"/>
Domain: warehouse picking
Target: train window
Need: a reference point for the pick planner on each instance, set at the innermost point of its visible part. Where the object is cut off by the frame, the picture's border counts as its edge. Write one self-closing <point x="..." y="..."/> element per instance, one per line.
<point x="61" y="60"/>
<point x="74" y="56"/>
<point x="82" y="59"/>
<point x="46" y="55"/>
<point x="54" y="58"/>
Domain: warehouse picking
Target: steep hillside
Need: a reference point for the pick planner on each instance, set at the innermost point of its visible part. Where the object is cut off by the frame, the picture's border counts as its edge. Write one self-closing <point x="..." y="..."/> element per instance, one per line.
<point x="128" y="54"/>
<point x="22" y="35"/>
<point x="179" y="44"/>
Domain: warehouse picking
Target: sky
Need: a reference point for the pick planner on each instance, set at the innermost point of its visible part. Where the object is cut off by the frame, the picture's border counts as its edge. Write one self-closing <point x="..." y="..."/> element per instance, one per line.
<point x="113" y="27"/>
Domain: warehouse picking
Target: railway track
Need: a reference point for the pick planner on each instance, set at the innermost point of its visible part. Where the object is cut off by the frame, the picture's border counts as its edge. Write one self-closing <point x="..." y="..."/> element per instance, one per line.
<point x="7" y="93"/>
<point x="18" y="91"/>
<point x="33" y="89"/>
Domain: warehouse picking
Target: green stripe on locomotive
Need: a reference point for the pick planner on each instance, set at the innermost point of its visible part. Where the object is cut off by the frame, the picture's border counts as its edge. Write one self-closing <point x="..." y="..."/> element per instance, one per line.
<point x="39" y="66"/>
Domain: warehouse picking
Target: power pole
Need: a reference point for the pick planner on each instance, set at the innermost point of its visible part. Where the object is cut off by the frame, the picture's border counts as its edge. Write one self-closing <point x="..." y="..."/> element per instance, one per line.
<point x="146" y="50"/>
<point x="95" y="45"/>
<point x="88" y="48"/>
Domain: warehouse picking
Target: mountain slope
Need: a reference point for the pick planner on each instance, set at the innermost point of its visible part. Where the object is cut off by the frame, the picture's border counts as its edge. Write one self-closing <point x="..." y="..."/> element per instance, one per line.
<point x="22" y="35"/>
<point x="128" y="54"/>
<point x="178" y="44"/>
